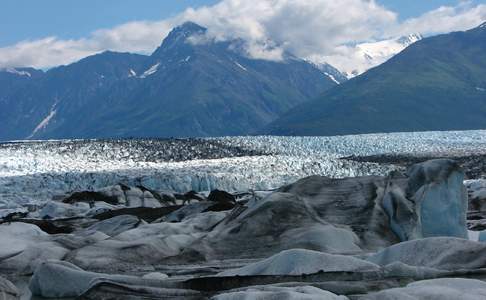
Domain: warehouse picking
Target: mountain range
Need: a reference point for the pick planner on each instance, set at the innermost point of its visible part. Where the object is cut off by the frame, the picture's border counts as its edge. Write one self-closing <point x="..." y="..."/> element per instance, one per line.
<point x="192" y="86"/>
<point x="184" y="89"/>
<point x="438" y="83"/>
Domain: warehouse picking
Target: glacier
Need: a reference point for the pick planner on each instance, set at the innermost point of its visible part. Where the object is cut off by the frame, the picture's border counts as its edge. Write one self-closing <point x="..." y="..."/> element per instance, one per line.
<point x="33" y="172"/>
<point x="316" y="238"/>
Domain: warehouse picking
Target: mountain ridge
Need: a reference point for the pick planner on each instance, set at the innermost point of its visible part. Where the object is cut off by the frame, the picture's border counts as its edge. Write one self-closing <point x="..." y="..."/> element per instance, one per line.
<point x="183" y="89"/>
<point x="435" y="84"/>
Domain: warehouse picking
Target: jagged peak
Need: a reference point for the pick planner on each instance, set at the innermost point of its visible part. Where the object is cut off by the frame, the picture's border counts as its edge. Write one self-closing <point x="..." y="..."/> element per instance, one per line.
<point x="189" y="26"/>
<point x="181" y="33"/>
<point x="410" y="39"/>
<point x="186" y="29"/>
<point x="416" y="36"/>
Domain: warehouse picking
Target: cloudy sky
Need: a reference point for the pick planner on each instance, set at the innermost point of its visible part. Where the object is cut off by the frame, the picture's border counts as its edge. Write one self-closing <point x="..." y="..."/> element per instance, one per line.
<point x="47" y="33"/>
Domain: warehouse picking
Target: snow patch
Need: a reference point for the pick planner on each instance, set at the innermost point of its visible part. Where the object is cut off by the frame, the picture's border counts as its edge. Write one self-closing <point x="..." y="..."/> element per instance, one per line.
<point x="480" y="89"/>
<point x="132" y="73"/>
<point x="332" y="78"/>
<point x="17" y="72"/>
<point x="152" y="70"/>
<point x="240" y="66"/>
<point x="43" y="124"/>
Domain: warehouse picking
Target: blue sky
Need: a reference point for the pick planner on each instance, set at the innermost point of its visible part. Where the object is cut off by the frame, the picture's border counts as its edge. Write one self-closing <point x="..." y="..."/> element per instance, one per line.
<point x="413" y="8"/>
<point x="46" y="33"/>
<point x="31" y="19"/>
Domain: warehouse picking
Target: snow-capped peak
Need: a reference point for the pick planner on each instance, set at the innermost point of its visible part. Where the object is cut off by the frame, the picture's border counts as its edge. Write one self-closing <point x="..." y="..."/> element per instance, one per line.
<point x="384" y="50"/>
<point x="356" y="60"/>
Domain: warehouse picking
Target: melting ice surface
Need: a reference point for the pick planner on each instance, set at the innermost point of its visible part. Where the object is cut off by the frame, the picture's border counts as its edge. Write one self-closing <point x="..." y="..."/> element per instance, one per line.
<point x="32" y="172"/>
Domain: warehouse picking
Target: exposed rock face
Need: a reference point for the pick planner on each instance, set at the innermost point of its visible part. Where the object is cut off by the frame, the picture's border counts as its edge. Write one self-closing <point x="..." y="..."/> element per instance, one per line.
<point x="221" y="196"/>
<point x="132" y="196"/>
<point x="89" y="197"/>
<point x="138" y="196"/>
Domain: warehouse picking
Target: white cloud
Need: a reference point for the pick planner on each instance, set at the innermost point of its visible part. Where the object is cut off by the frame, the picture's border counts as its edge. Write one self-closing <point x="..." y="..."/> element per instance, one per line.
<point x="302" y="27"/>
<point x="44" y="52"/>
<point x="140" y="37"/>
<point x="359" y="58"/>
<point x="444" y="19"/>
<point x="307" y="28"/>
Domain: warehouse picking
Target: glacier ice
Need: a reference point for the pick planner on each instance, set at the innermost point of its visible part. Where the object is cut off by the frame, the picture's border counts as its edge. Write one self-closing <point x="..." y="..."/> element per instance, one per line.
<point x="35" y="171"/>
<point x="146" y="244"/>
<point x="443" y="288"/>
<point x="431" y="201"/>
<point x="60" y="279"/>
<point x="116" y="225"/>
<point x="24" y="246"/>
<point x="444" y="253"/>
<point x="8" y="291"/>
<point x="316" y="238"/>
<point x="439" y="192"/>
<point x="301" y="261"/>
<point x="276" y="292"/>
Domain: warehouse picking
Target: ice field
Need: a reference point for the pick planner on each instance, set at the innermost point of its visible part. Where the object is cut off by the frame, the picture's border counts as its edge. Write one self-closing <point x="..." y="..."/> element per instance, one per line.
<point x="33" y="171"/>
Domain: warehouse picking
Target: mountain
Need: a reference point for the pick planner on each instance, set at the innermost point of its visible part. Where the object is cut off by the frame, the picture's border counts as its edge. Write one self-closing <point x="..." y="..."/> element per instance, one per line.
<point x="438" y="83"/>
<point x="39" y="101"/>
<point x="364" y="56"/>
<point x="334" y="74"/>
<point x="190" y="86"/>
